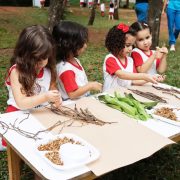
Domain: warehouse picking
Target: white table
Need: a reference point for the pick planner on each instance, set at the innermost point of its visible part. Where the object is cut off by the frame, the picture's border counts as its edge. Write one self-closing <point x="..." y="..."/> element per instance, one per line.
<point x="20" y="147"/>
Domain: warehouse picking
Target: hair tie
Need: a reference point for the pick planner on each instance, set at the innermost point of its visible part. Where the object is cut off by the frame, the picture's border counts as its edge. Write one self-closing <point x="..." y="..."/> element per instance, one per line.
<point x="123" y="27"/>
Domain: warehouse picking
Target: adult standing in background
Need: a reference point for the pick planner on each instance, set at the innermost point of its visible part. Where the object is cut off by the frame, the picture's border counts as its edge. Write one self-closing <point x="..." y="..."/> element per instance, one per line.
<point x="173" y="17"/>
<point x="141" y="9"/>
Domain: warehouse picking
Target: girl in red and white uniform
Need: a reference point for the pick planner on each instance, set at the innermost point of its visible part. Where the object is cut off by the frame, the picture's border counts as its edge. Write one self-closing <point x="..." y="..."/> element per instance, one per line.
<point x="71" y="39"/>
<point x="111" y="11"/>
<point x="118" y="67"/>
<point x="32" y="75"/>
<point x="145" y="59"/>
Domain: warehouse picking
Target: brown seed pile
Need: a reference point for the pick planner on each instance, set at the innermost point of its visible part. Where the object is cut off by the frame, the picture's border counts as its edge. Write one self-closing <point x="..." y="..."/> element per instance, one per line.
<point x="55" y="144"/>
<point x="53" y="148"/>
<point x="166" y="112"/>
<point x="54" y="158"/>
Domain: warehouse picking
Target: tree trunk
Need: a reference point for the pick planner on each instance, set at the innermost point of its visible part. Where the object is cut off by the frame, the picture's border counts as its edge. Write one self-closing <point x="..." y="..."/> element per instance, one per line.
<point x="154" y="20"/>
<point x="127" y="3"/>
<point x="56" y="11"/>
<point x="116" y="7"/>
<point x="93" y="13"/>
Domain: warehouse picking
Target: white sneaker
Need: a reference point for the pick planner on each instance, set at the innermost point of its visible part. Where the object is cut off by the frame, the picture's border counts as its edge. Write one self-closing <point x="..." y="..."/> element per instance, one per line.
<point x="2" y="148"/>
<point x="172" y="47"/>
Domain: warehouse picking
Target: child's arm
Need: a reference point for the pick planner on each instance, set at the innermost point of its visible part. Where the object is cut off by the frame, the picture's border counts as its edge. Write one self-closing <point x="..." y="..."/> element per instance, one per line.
<point x="135" y="76"/>
<point x="147" y="65"/>
<point x="82" y="90"/>
<point x="25" y="102"/>
<point x="143" y="68"/>
<point x="163" y="63"/>
<point x="53" y="86"/>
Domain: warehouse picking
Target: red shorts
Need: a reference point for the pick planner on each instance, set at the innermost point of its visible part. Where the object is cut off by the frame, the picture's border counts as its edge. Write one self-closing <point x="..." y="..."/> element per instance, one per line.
<point x="110" y="13"/>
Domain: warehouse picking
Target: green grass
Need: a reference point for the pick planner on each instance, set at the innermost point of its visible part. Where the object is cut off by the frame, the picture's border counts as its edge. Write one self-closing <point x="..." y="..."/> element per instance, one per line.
<point x="165" y="164"/>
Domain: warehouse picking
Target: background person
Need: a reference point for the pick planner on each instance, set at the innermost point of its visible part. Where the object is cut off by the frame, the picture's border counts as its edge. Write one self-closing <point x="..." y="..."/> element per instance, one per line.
<point x="102" y="9"/>
<point x="141" y="9"/>
<point x="42" y="2"/>
<point x="173" y="17"/>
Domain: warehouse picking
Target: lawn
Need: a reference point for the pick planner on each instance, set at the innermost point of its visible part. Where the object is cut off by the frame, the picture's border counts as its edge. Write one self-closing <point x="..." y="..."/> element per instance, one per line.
<point x="165" y="164"/>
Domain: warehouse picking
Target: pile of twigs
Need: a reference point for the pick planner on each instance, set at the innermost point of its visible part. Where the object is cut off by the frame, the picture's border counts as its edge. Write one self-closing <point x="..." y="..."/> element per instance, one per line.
<point x="170" y="91"/>
<point x="85" y="116"/>
<point x="148" y="95"/>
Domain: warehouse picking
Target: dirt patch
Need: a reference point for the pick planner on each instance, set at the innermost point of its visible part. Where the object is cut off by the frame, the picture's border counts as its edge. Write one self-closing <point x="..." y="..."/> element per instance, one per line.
<point x="97" y="36"/>
<point x="11" y="9"/>
<point x="6" y="52"/>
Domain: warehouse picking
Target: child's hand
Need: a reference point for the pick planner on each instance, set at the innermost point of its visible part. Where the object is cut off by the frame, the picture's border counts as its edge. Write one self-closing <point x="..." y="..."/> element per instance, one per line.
<point x="150" y="78"/>
<point x="158" y="53"/>
<point x="96" y="86"/>
<point x="164" y="50"/>
<point x="159" y="78"/>
<point x="54" y="96"/>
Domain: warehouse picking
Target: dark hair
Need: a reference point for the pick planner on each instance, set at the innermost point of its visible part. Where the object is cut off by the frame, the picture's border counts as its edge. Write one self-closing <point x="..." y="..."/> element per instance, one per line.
<point x="138" y="26"/>
<point x="111" y="5"/>
<point x="69" y="37"/>
<point x="35" y="43"/>
<point x="116" y="38"/>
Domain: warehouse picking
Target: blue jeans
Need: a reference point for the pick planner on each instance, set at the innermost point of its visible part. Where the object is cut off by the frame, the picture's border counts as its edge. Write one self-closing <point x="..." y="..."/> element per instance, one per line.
<point x="142" y="11"/>
<point x="173" y="17"/>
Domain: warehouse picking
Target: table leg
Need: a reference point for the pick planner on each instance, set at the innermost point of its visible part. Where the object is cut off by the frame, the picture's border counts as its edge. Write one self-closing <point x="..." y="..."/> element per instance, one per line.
<point x="13" y="164"/>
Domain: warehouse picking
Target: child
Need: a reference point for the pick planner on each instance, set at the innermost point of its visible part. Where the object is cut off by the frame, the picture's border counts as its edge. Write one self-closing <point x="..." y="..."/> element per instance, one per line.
<point x="111" y="11"/>
<point x="102" y="9"/>
<point x="81" y="3"/>
<point x="118" y="68"/>
<point x="42" y="2"/>
<point x="32" y="73"/>
<point x="90" y="3"/>
<point x="145" y="59"/>
<point x="71" y="39"/>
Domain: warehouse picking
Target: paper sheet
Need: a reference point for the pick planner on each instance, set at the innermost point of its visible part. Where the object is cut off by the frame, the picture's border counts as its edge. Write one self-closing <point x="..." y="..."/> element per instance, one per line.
<point x="120" y="144"/>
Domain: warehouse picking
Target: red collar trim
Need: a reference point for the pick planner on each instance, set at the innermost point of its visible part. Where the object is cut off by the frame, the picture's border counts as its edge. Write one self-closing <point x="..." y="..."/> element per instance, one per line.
<point x="76" y="65"/>
<point x="148" y="55"/>
<point x="41" y="73"/>
<point x="124" y="65"/>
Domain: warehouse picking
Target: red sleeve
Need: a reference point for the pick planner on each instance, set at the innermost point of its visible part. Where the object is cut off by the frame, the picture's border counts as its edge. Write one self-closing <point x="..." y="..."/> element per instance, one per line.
<point x="138" y="61"/>
<point x="68" y="80"/>
<point x="134" y="69"/>
<point x="157" y="63"/>
<point x="112" y="66"/>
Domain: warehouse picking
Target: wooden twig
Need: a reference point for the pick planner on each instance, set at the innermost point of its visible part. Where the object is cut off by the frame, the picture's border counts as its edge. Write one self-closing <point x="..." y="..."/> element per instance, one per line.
<point x="148" y="95"/>
<point x="80" y="115"/>
<point x="165" y="92"/>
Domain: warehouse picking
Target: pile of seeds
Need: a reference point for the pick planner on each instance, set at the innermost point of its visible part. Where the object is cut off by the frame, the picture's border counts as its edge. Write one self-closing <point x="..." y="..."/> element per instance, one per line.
<point x="53" y="148"/>
<point x="166" y="112"/>
<point x="54" y="158"/>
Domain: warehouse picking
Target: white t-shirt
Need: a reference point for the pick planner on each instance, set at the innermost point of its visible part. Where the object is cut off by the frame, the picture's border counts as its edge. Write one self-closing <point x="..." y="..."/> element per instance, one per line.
<point x="102" y="7"/>
<point x="144" y="57"/>
<point x="80" y="77"/>
<point x="112" y="81"/>
<point x="43" y="80"/>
